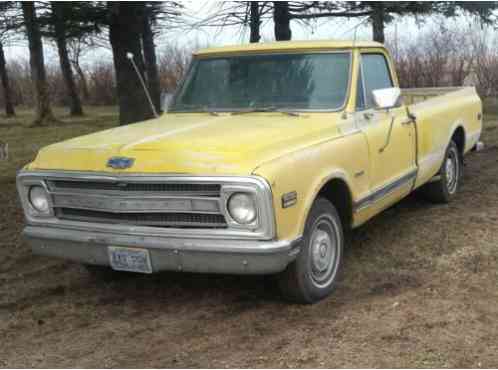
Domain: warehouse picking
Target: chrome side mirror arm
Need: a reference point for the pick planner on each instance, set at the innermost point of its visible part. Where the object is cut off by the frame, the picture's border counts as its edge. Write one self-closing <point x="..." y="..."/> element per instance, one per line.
<point x="388" y="139"/>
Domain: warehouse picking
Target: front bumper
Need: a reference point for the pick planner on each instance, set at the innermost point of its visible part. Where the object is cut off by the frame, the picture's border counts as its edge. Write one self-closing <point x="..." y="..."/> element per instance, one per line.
<point x="167" y="253"/>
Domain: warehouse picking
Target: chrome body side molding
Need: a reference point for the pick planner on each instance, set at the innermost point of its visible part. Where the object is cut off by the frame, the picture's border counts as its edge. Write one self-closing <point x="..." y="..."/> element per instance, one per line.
<point x="378" y="194"/>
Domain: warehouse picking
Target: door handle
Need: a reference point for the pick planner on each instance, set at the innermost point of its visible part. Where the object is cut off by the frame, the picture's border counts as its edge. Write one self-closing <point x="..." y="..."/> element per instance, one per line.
<point x="409" y="119"/>
<point x="368" y="115"/>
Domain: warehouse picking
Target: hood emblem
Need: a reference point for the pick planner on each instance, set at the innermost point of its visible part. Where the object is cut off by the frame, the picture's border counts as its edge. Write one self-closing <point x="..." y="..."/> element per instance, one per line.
<point x="120" y="163"/>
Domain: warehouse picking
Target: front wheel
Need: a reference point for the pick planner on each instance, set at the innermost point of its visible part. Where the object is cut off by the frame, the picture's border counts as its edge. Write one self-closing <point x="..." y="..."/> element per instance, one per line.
<point x="313" y="274"/>
<point x="446" y="186"/>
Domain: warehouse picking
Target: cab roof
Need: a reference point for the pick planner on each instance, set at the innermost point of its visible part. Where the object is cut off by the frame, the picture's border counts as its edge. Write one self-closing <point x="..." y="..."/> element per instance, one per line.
<point x="288" y="46"/>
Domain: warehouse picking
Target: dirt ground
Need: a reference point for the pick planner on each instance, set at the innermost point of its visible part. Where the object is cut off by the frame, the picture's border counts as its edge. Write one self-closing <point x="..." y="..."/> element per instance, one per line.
<point x="419" y="289"/>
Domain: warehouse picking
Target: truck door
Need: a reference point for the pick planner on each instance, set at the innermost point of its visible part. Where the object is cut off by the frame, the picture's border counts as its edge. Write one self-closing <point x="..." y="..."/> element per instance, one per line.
<point x="391" y="141"/>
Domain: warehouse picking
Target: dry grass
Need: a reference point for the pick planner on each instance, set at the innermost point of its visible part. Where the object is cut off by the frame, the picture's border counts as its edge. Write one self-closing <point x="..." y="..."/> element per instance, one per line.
<point x="420" y="289"/>
<point x="24" y="141"/>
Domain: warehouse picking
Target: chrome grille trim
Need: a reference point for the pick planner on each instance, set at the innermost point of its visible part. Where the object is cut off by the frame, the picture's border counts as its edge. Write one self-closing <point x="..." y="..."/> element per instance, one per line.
<point x="137" y="204"/>
<point x="197" y="220"/>
<point x="259" y="187"/>
<point x="134" y="187"/>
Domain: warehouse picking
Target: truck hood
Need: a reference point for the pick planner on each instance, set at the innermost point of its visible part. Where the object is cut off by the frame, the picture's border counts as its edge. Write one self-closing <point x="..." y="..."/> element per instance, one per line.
<point x="192" y="143"/>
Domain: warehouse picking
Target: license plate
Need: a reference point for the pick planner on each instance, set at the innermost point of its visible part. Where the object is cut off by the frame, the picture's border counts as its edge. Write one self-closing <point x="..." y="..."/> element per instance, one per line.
<point x="130" y="259"/>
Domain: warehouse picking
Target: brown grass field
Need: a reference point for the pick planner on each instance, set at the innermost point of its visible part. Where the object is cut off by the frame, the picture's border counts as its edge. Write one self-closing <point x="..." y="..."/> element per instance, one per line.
<point x="419" y="289"/>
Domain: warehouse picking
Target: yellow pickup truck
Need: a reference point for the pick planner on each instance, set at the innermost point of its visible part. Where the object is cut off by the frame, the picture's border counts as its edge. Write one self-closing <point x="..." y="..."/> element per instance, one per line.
<point x="267" y="156"/>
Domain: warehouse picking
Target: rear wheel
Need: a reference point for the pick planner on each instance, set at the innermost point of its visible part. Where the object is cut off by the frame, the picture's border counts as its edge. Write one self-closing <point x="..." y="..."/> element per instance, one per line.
<point x="313" y="274"/>
<point x="449" y="177"/>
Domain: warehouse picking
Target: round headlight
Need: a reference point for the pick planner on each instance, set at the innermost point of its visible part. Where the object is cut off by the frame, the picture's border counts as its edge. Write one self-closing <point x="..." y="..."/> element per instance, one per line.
<point x="38" y="198"/>
<point x="242" y="208"/>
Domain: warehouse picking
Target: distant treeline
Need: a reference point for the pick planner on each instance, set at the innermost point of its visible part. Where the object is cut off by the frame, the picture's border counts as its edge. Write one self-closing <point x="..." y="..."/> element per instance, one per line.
<point x="438" y="56"/>
<point x="448" y="56"/>
<point x="95" y="83"/>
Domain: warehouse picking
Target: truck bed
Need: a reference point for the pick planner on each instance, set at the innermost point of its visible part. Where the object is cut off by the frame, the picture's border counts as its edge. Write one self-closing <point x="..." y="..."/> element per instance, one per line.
<point x="439" y="112"/>
<point x="415" y="95"/>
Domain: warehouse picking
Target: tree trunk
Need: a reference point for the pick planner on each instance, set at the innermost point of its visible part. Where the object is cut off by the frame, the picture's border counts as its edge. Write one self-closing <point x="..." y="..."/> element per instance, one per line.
<point x="281" y="18"/>
<point x="82" y="78"/>
<point x="378" y="17"/>
<point x="255" y="22"/>
<point x="43" y="111"/>
<point x="67" y="73"/>
<point x="151" y="61"/>
<point x="124" y="34"/>
<point x="9" y="106"/>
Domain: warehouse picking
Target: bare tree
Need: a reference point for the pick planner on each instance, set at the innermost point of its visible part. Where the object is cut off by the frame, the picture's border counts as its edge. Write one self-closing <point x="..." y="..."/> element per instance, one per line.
<point x="4" y="75"/>
<point x="158" y="16"/>
<point x="43" y="111"/>
<point x="256" y="13"/>
<point x="173" y="64"/>
<point x="60" y="12"/>
<point x="485" y="71"/>
<point x="441" y="56"/>
<point x="150" y="58"/>
<point x="254" y="21"/>
<point x="462" y="57"/>
<point x="252" y="14"/>
<point x="101" y="83"/>
<point x="281" y="20"/>
<point x="76" y="49"/>
<point x="9" y="105"/>
<point x="125" y="29"/>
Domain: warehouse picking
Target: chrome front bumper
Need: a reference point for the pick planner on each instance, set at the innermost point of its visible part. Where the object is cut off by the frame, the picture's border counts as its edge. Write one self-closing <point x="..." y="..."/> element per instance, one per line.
<point x="167" y="253"/>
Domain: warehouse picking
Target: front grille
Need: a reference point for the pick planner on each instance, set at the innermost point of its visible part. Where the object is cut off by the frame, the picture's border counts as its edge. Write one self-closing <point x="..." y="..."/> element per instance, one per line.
<point x="144" y="219"/>
<point x="156" y="204"/>
<point x="174" y="188"/>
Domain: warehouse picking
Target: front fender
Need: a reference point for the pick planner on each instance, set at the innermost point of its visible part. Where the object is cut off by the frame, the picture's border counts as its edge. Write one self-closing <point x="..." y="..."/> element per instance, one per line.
<point x="307" y="170"/>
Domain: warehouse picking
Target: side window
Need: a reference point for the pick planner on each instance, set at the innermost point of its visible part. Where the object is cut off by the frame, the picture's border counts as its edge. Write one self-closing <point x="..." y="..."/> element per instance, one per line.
<point x="375" y="75"/>
<point x="360" y="95"/>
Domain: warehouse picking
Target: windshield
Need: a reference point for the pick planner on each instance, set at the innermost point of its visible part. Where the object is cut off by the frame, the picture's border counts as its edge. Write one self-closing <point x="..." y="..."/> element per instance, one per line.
<point x="272" y="81"/>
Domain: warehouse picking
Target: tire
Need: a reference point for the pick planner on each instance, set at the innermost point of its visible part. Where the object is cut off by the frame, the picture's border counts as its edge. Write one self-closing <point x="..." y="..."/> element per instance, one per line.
<point x="313" y="274"/>
<point x="450" y="175"/>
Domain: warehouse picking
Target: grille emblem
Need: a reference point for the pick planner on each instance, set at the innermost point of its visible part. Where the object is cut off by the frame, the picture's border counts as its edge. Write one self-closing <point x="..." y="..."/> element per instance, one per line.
<point x="120" y="163"/>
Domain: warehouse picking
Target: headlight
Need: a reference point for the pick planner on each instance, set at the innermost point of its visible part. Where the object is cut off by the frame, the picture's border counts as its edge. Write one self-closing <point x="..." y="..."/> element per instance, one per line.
<point x="242" y="208"/>
<point x="38" y="198"/>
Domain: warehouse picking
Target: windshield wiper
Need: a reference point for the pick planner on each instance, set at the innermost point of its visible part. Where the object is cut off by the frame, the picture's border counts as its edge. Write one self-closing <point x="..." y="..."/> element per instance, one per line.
<point x="270" y="108"/>
<point x="194" y="108"/>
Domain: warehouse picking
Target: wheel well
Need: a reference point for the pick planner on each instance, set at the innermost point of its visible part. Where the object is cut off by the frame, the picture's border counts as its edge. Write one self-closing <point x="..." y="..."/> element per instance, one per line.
<point x="459" y="139"/>
<point x="337" y="192"/>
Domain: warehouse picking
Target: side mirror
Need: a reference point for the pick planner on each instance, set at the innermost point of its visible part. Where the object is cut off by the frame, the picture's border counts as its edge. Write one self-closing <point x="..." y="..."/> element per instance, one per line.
<point x="387" y="98"/>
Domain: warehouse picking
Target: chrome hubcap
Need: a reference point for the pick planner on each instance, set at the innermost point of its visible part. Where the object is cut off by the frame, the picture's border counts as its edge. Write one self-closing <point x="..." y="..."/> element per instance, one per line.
<point x="323" y="252"/>
<point x="452" y="171"/>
